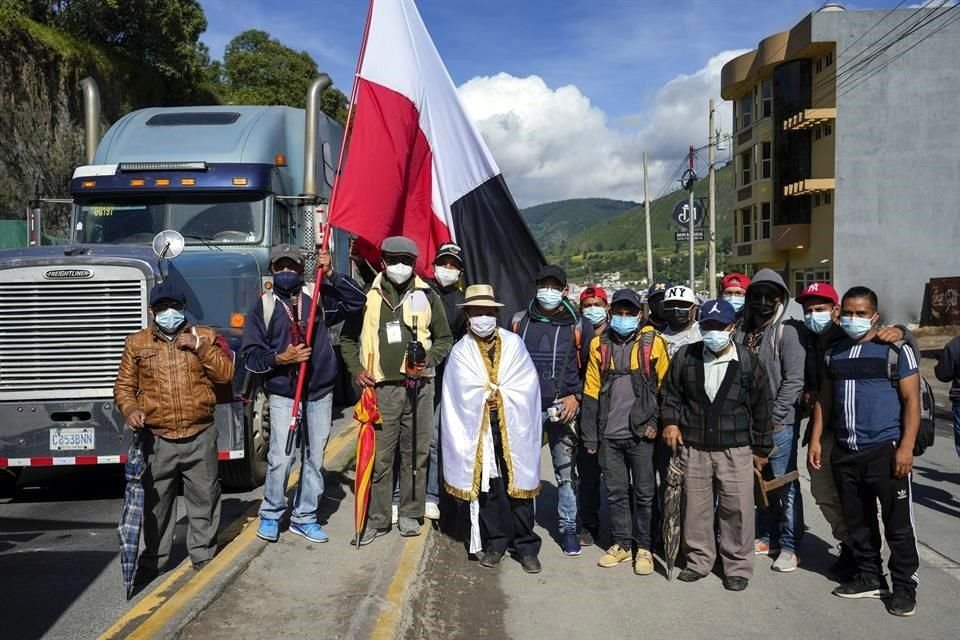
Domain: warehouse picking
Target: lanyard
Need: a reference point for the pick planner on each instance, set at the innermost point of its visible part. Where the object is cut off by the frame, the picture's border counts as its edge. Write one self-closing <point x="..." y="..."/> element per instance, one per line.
<point x="296" y="331"/>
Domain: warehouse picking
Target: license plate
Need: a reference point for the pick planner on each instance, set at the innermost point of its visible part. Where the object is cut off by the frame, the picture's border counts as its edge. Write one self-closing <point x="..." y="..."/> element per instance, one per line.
<point x="72" y="439"/>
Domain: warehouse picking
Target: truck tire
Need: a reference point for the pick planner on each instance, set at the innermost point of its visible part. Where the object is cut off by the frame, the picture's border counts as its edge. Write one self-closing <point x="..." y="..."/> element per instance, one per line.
<point x="8" y="481"/>
<point x="250" y="472"/>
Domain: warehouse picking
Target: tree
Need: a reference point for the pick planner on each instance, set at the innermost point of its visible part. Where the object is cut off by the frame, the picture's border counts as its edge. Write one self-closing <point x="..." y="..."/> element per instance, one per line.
<point x="163" y="34"/>
<point x="258" y="69"/>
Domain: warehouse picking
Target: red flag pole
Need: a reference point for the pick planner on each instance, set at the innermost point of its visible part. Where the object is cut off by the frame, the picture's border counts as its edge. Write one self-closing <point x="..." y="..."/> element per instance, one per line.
<point x="325" y="242"/>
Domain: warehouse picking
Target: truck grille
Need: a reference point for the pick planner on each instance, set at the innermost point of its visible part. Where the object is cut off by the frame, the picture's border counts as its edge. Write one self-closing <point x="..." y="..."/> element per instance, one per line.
<point x="63" y="338"/>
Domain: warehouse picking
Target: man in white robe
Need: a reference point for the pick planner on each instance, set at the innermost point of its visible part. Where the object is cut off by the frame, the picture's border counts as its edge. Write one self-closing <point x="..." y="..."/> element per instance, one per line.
<point x="492" y="433"/>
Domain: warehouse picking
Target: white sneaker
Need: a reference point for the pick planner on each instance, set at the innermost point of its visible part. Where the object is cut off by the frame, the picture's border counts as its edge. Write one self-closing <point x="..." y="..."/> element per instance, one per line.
<point x="431" y="511"/>
<point x="395" y="514"/>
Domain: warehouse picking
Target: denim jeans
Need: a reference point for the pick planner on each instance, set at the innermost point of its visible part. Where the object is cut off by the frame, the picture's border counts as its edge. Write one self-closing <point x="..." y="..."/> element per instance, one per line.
<point x="314" y="435"/>
<point x="564" y="456"/>
<point x="631" y="490"/>
<point x="781" y="525"/>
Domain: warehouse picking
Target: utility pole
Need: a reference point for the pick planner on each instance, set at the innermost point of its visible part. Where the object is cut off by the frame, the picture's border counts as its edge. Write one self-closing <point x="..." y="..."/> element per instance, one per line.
<point x="690" y="180"/>
<point x="646" y="212"/>
<point x="712" y="209"/>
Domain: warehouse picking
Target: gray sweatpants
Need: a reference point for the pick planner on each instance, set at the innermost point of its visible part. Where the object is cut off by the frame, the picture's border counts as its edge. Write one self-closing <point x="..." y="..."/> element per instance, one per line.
<point x="731" y="471"/>
<point x="396" y="433"/>
<point x="195" y="460"/>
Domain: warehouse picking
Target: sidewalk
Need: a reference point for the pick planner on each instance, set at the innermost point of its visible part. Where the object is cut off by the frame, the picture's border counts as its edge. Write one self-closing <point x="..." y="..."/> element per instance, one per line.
<point x="298" y="589"/>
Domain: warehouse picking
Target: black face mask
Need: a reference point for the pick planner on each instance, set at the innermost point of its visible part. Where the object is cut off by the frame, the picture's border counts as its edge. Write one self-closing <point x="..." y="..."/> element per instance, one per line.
<point x="286" y="283"/>
<point x="762" y="306"/>
<point x="679" y="324"/>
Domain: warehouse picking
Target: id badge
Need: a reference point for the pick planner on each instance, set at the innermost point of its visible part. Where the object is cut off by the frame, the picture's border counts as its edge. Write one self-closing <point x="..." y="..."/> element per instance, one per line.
<point x="394" y="336"/>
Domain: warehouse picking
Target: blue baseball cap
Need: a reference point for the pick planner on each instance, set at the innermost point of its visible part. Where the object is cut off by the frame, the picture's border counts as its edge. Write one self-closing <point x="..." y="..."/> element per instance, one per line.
<point x="167" y="291"/>
<point x="658" y="288"/>
<point x="718" y="311"/>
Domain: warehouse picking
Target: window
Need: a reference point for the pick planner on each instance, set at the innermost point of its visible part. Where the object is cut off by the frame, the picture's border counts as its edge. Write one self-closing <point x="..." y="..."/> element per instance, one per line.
<point x="827" y="197"/>
<point x="746" y="111"/>
<point x="803" y="278"/>
<point x="827" y="130"/>
<point x="766" y="98"/>
<point x="746" y="226"/>
<point x="765" y="221"/>
<point x="745" y="163"/>
<point x="816" y="132"/>
<point x="829" y="59"/>
<point x="766" y="160"/>
<point x="816" y="200"/>
<point x="819" y="65"/>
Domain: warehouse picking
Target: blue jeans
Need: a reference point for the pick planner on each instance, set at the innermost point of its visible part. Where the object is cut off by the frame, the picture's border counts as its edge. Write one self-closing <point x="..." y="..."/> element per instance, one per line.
<point x="314" y="435"/>
<point x="565" y="471"/>
<point x="782" y="523"/>
<point x="956" y="427"/>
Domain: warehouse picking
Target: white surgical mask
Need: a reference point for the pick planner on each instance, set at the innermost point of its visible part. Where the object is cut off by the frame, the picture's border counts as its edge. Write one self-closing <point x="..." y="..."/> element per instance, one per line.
<point x="399" y="273"/>
<point x="446" y="276"/>
<point x="856" y="328"/>
<point x="596" y="315"/>
<point x="483" y="326"/>
<point x="549" y="299"/>
<point x="169" y="320"/>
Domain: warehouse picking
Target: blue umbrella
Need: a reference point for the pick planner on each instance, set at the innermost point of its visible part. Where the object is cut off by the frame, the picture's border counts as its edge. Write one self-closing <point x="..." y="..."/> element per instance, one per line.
<point x="131" y="520"/>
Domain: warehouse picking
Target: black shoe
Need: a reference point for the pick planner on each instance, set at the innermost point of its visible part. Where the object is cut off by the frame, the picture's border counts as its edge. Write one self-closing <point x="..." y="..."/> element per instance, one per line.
<point x="689" y="575"/>
<point x="863" y="587"/>
<point x="491" y="559"/>
<point x="845" y="568"/>
<point x="588" y="536"/>
<point x="197" y="566"/>
<point x="735" y="583"/>
<point x="903" y="603"/>
<point x="530" y="564"/>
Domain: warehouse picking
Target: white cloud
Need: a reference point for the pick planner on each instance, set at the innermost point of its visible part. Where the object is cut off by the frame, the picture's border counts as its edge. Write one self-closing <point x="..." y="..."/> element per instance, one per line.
<point x="552" y="143"/>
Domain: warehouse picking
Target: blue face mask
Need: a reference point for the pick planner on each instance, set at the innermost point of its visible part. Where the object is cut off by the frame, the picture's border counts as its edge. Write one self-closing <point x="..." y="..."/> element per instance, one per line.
<point x="624" y="325"/>
<point x="170" y="320"/>
<point x="549" y="299"/>
<point x="736" y="302"/>
<point x="285" y="283"/>
<point x="716" y="341"/>
<point x="596" y="315"/>
<point x="856" y="328"/>
<point x="818" y="321"/>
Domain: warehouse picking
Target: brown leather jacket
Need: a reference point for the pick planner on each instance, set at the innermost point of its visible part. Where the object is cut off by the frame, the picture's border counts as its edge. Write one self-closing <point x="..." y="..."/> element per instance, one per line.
<point x="173" y="387"/>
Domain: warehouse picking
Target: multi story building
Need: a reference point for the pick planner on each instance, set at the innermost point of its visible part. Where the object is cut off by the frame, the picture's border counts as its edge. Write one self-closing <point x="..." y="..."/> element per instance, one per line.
<point x="847" y="149"/>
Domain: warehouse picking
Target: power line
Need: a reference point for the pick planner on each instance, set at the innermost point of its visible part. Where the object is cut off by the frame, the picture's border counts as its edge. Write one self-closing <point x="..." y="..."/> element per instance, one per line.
<point x="850" y="87"/>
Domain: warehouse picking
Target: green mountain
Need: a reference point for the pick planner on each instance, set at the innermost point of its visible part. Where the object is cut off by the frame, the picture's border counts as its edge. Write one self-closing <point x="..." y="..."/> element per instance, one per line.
<point x="554" y="222"/>
<point x="618" y="243"/>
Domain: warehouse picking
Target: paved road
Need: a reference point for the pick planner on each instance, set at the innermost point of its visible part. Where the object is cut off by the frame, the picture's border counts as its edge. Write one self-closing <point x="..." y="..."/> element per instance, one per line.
<point x="573" y="598"/>
<point x="59" y="558"/>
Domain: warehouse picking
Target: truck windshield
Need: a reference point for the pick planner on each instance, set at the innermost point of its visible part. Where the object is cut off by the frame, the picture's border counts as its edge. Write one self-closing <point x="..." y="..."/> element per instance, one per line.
<point x="200" y="219"/>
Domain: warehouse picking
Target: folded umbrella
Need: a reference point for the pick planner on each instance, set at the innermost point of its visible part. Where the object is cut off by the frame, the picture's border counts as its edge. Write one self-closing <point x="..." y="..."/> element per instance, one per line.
<point x="367" y="414"/>
<point x="672" y="512"/>
<point x="131" y="518"/>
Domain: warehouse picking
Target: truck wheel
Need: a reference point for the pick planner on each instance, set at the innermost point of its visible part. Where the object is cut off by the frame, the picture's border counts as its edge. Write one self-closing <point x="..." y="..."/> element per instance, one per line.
<point x="250" y="472"/>
<point x="8" y="481"/>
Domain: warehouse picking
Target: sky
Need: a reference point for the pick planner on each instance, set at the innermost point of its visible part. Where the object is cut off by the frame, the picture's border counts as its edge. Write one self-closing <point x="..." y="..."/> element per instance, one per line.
<point x="568" y="94"/>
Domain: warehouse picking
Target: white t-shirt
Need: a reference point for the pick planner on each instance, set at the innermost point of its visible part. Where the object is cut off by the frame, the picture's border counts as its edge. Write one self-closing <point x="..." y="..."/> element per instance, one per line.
<point x="676" y="339"/>
<point x="715" y="368"/>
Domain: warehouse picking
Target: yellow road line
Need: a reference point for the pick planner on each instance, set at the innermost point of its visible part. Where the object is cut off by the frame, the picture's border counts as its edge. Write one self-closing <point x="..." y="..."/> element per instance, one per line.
<point x="386" y="626"/>
<point x="160" y="605"/>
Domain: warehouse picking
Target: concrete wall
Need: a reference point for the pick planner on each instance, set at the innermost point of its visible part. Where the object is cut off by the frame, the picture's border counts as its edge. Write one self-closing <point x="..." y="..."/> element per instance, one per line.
<point x="897" y="202"/>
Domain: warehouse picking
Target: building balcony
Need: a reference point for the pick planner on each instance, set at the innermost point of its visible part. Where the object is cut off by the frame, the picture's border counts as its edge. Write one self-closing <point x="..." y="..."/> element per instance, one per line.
<point x="809" y="186"/>
<point x="787" y="237"/>
<point x="757" y="252"/>
<point x="809" y="118"/>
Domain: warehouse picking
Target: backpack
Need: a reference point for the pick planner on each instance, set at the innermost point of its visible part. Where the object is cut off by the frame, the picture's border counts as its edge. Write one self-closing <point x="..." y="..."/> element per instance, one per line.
<point x="646" y="348"/>
<point x="646" y="406"/>
<point x="928" y="427"/>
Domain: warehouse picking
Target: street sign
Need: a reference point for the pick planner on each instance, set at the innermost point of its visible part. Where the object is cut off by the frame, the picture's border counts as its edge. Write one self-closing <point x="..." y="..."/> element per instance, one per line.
<point x="681" y="214"/>
<point x="684" y="236"/>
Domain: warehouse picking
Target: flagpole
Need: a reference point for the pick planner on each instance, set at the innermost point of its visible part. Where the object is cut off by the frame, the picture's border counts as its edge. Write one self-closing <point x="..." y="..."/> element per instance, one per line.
<point x="325" y="242"/>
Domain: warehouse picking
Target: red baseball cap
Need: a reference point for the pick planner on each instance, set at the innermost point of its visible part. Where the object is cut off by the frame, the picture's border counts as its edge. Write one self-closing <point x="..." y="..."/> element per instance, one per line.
<point x="734" y="280"/>
<point x="819" y="290"/>
<point x="593" y="291"/>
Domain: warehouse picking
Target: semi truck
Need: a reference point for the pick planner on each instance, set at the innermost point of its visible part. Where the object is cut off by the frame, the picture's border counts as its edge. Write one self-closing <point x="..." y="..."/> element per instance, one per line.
<point x="233" y="181"/>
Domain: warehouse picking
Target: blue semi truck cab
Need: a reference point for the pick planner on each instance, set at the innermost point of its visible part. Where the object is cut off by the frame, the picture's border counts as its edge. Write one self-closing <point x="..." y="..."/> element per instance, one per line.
<point x="233" y="180"/>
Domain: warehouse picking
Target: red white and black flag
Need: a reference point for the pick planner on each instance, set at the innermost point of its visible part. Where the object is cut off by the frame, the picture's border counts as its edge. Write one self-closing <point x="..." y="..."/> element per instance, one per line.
<point x="417" y="165"/>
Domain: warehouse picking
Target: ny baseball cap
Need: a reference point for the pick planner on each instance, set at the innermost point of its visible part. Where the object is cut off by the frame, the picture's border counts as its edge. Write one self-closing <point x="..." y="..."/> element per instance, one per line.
<point x="680" y="294"/>
<point x="819" y="290"/>
<point x="718" y="311"/>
